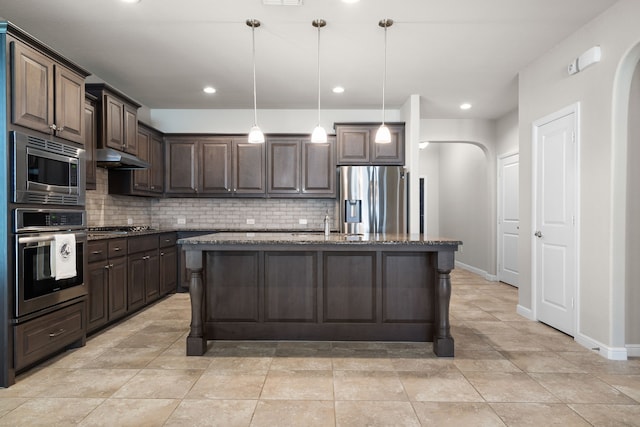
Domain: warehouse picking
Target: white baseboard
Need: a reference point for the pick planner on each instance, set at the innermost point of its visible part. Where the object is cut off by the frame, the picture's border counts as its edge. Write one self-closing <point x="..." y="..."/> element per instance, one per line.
<point x="611" y="353"/>
<point x="479" y="272"/>
<point x="633" y="350"/>
<point x="525" y="312"/>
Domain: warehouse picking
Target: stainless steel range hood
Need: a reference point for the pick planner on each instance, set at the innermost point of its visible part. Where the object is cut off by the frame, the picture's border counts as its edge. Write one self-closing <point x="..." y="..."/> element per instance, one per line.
<point x="113" y="159"/>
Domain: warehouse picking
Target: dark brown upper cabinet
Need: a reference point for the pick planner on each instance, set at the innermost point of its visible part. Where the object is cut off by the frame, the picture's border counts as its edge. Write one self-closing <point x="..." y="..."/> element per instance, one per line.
<point x="142" y="182"/>
<point x="46" y="95"/>
<point x="357" y="146"/>
<point x="296" y="167"/>
<point x="206" y="166"/>
<point x="118" y="118"/>
<point x="90" y="140"/>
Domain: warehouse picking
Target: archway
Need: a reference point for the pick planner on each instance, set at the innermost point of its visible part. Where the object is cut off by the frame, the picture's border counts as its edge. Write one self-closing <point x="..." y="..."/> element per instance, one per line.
<point x="624" y="277"/>
<point x="460" y="182"/>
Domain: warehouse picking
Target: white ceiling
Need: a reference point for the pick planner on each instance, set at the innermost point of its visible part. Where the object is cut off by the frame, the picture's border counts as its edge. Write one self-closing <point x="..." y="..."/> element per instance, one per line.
<point x="162" y="52"/>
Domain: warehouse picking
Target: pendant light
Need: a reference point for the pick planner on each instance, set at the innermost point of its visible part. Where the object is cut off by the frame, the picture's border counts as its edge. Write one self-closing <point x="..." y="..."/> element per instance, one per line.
<point x="319" y="135"/>
<point x="383" y="136"/>
<point x="255" y="134"/>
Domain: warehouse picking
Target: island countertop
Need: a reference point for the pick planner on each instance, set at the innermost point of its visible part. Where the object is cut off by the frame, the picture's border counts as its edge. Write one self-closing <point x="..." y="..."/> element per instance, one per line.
<point x="302" y="238"/>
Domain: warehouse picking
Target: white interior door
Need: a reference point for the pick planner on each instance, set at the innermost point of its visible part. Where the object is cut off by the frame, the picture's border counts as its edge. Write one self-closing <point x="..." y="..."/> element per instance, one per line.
<point x="554" y="222"/>
<point x="508" y="219"/>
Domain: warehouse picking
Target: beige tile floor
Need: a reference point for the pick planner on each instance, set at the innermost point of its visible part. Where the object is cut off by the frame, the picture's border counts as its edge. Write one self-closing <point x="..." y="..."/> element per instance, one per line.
<point x="507" y="371"/>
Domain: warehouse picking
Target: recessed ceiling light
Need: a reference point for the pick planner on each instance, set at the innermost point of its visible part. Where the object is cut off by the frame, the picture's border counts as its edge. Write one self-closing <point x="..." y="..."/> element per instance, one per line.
<point x="465" y="106"/>
<point x="209" y="89"/>
<point x="338" y="89"/>
<point x="130" y="1"/>
<point x="350" y="1"/>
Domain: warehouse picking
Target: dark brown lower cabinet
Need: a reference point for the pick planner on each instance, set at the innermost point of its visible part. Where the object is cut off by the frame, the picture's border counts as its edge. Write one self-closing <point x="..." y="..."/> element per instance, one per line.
<point x="125" y="274"/>
<point x="47" y="334"/>
<point x="143" y="265"/>
<point x="136" y="289"/>
<point x="117" y="287"/>
<point x="106" y="282"/>
<point x="98" y="298"/>
<point x="168" y="270"/>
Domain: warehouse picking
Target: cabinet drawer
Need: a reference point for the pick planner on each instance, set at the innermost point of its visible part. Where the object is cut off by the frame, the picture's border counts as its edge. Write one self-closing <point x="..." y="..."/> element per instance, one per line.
<point x="45" y="335"/>
<point x="97" y="250"/>
<point x="168" y="239"/>
<point x="143" y="243"/>
<point x="117" y="247"/>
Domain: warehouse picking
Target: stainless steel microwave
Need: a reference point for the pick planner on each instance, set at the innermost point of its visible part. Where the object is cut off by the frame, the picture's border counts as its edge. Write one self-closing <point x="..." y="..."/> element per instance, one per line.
<point x="47" y="172"/>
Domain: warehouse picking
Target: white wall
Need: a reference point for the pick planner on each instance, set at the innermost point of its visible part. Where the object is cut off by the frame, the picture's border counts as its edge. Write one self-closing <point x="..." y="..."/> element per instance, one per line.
<point x="507" y="134"/>
<point x="481" y="135"/>
<point x="270" y="121"/>
<point x="464" y="208"/>
<point x="633" y="217"/>
<point x="545" y="87"/>
<point x="410" y="114"/>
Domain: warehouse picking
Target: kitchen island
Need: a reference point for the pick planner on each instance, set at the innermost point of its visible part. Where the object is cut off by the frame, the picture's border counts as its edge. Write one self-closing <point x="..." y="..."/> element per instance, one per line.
<point x="308" y="286"/>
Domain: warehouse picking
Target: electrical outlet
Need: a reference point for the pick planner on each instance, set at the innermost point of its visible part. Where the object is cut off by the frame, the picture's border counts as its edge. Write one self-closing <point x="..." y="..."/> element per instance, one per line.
<point x="302" y="221"/>
<point x="251" y="221"/>
<point x="129" y="221"/>
<point x="182" y="220"/>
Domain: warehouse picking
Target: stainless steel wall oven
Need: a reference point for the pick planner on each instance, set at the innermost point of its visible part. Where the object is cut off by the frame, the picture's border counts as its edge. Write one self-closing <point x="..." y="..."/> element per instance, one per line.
<point x="38" y="286"/>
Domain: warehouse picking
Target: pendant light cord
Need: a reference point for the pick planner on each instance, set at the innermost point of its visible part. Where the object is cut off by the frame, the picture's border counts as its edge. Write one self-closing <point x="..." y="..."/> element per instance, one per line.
<point x="255" y="102"/>
<point x="384" y="75"/>
<point x="318" y="75"/>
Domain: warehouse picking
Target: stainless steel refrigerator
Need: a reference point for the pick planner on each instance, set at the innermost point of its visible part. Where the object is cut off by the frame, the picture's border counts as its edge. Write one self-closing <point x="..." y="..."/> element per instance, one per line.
<point x="373" y="200"/>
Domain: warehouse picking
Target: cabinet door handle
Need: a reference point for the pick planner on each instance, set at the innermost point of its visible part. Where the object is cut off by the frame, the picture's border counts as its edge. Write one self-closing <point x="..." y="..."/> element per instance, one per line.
<point x="146" y="257"/>
<point x="96" y="252"/>
<point x="161" y="253"/>
<point x="117" y="249"/>
<point x="53" y="127"/>
<point x="57" y="333"/>
<point x="167" y="240"/>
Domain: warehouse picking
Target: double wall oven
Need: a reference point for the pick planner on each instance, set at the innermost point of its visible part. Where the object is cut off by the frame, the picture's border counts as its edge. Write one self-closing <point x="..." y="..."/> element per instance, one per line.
<point x="48" y="197"/>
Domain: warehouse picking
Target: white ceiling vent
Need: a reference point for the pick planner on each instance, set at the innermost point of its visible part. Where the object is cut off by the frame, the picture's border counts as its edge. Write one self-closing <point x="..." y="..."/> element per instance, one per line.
<point x="282" y="2"/>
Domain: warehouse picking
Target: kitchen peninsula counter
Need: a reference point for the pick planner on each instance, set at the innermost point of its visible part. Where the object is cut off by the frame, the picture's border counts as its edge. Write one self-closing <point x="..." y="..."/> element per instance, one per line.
<point x="308" y="286"/>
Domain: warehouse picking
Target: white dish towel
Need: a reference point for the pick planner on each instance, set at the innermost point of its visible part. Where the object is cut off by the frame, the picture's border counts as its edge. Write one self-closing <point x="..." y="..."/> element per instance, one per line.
<point x="63" y="256"/>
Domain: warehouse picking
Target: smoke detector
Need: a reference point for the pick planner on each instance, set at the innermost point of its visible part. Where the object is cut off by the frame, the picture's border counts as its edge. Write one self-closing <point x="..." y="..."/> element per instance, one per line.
<point x="282" y="2"/>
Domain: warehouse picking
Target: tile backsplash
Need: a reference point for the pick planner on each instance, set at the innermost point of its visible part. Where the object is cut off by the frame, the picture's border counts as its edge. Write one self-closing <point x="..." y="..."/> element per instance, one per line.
<point x="104" y="209"/>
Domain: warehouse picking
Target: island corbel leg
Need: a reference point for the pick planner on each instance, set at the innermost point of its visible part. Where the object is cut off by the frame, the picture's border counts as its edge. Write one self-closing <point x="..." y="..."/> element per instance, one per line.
<point x="196" y="341"/>
<point x="442" y="339"/>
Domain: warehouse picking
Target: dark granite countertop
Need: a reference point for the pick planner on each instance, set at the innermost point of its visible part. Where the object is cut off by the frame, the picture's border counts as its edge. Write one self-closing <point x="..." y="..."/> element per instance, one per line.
<point x="301" y="238"/>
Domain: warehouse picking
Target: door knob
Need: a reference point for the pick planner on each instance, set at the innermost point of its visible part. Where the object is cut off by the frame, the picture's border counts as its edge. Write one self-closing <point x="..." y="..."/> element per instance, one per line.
<point x="538" y="234"/>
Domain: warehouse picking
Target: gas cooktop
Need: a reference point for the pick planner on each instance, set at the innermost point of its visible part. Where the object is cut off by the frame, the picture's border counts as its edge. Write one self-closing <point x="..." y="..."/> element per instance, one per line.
<point x="119" y="228"/>
<point x="116" y="230"/>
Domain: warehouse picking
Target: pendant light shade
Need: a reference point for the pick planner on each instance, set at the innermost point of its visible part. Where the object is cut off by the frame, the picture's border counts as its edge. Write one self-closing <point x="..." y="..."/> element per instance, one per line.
<point x="319" y="135"/>
<point x="383" y="136"/>
<point x="255" y="134"/>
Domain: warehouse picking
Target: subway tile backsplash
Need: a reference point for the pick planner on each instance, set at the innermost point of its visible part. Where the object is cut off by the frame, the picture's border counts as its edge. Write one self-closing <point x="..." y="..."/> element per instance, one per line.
<point x="104" y="209"/>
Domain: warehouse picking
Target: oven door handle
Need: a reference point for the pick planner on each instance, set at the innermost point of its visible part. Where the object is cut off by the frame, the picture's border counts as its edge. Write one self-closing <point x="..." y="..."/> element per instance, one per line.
<point x="34" y="240"/>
